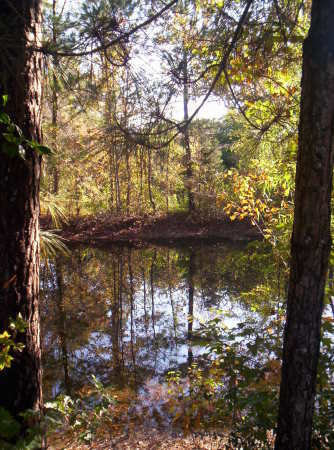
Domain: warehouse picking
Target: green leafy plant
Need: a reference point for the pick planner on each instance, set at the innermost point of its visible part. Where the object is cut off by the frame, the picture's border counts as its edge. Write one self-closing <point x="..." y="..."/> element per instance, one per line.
<point x="52" y="244"/>
<point x="10" y="431"/>
<point x="81" y="418"/>
<point x="14" y="143"/>
<point x="52" y="206"/>
<point x="7" y="341"/>
<point x="10" y="428"/>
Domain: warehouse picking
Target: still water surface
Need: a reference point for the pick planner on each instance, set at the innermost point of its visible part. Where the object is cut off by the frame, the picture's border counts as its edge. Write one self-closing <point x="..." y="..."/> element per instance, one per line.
<point x="188" y="337"/>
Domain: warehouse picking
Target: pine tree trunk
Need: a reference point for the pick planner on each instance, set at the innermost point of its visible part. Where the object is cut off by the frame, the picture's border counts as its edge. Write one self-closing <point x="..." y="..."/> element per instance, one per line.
<point x="20" y="78"/>
<point x="111" y="180"/>
<point x="186" y="139"/>
<point x="149" y="179"/>
<point x="55" y="64"/>
<point x="167" y="180"/>
<point x="128" y="186"/>
<point x="117" y="184"/>
<point x="141" y="201"/>
<point x="311" y="238"/>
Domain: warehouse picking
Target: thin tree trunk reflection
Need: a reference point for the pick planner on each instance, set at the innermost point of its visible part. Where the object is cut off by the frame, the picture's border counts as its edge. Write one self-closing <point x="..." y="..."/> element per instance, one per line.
<point x="171" y="299"/>
<point x="61" y="322"/>
<point x="131" y="314"/>
<point x="191" y="273"/>
<point x="115" y="323"/>
<point x="152" y="293"/>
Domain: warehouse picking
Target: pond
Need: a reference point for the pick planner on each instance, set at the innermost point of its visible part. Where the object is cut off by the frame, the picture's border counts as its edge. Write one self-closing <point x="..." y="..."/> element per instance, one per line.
<point x="183" y="339"/>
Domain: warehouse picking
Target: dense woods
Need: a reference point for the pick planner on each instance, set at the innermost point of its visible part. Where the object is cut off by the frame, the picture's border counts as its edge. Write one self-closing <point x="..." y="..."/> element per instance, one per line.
<point x="172" y="123"/>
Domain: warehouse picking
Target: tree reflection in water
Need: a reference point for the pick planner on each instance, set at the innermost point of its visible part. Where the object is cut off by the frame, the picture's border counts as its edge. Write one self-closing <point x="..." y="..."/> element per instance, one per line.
<point x="208" y="318"/>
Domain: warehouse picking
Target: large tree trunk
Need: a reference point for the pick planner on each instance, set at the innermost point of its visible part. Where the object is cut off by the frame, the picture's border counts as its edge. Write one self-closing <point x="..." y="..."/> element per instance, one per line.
<point x="20" y="385"/>
<point x="311" y="233"/>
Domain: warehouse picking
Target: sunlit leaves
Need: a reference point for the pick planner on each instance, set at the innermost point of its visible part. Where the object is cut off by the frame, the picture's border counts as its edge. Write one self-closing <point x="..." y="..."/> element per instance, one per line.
<point x="246" y="196"/>
<point x="14" y="144"/>
<point x="8" y="344"/>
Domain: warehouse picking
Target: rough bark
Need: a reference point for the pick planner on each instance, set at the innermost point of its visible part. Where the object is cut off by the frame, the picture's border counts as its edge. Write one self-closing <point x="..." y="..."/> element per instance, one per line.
<point x="311" y="233"/>
<point x="20" y="385"/>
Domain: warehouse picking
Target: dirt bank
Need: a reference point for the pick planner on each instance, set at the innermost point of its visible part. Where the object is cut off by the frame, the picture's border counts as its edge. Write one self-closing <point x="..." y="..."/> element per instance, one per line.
<point x="169" y="229"/>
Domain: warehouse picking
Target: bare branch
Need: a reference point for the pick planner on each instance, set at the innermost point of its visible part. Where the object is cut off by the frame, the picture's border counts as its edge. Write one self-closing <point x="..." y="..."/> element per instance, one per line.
<point x="121" y="38"/>
<point x="237" y="104"/>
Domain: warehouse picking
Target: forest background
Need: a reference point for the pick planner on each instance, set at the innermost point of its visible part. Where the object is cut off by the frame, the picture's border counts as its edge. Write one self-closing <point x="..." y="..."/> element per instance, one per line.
<point x="117" y="148"/>
<point x="111" y="116"/>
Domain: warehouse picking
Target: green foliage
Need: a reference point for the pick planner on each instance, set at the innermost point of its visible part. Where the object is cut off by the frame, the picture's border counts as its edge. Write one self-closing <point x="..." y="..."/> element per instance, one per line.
<point x="10" y="431"/>
<point x="14" y="143"/>
<point x="8" y="344"/>
<point x="237" y="386"/>
<point x="323" y="436"/>
<point x="252" y="196"/>
<point x="51" y="244"/>
<point x="82" y="418"/>
<point x="9" y="427"/>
